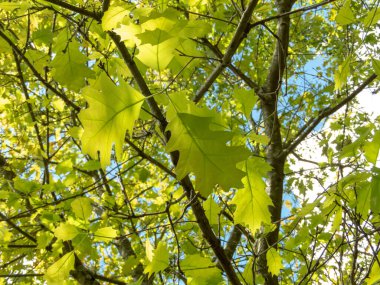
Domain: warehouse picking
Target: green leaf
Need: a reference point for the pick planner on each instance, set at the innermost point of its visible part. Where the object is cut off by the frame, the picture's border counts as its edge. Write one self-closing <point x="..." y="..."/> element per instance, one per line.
<point x="337" y="221"/>
<point x="162" y="23"/>
<point x="212" y="210"/>
<point x="196" y="29"/>
<point x="158" y="259"/>
<point x="247" y="100"/>
<point x="59" y="272"/>
<point x="106" y="234"/>
<point x="371" y="149"/>
<point x="66" y="232"/>
<point x="345" y="15"/>
<point x="200" y="270"/>
<point x="364" y="200"/>
<point x="113" y="17"/>
<point x="158" y="56"/>
<point x="44" y="239"/>
<point x="248" y="273"/>
<point x="252" y="201"/>
<point x="372" y="17"/>
<point x="70" y="67"/>
<point x="375" y="194"/>
<point x="5" y="233"/>
<point x="274" y="261"/>
<point x="341" y="74"/>
<point x="261" y="139"/>
<point x="376" y="66"/>
<point x="374" y="275"/>
<point x="199" y="137"/>
<point x="112" y="112"/>
<point x="82" y="208"/>
<point x="204" y="152"/>
<point x="128" y="34"/>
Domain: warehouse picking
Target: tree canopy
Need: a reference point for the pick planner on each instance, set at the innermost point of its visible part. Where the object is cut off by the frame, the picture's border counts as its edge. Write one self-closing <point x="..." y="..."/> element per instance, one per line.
<point x="189" y="142"/>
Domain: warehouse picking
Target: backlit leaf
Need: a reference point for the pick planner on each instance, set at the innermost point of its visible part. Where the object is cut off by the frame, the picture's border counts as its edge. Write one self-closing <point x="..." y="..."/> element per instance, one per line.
<point x="372" y="17"/>
<point x="106" y="234"/>
<point x="345" y="15"/>
<point x="375" y="194"/>
<point x="112" y="17"/>
<point x="252" y="201"/>
<point x="70" y="67"/>
<point x="158" y="56"/>
<point x="82" y="208"/>
<point x="58" y="272"/>
<point x="112" y="112"/>
<point x="274" y="261"/>
<point x="158" y="259"/>
<point x="200" y="270"/>
<point x="374" y="275"/>
<point x="341" y="74"/>
<point x="212" y="210"/>
<point x="204" y="152"/>
<point x="376" y="65"/>
<point x="66" y="232"/>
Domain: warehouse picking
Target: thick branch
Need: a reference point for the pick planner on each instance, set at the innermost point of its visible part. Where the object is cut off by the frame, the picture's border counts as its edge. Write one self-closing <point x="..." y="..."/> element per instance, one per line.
<point x="303" y="9"/>
<point x="310" y="126"/>
<point x="198" y="210"/>
<point x="274" y="153"/>
<point x="21" y="275"/>
<point x="139" y="80"/>
<point x="233" y="242"/>
<point x="247" y="80"/>
<point x="240" y="34"/>
<point x="17" y="228"/>
<point x="78" y="10"/>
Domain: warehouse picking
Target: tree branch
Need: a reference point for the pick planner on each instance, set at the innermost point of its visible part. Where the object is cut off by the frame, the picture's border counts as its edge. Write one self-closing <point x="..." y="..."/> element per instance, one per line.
<point x="233" y="242"/>
<point x="79" y="10"/>
<point x="21" y="275"/>
<point x="303" y="9"/>
<point x="198" y="210"/>
<point x="36" y="73"/>
<point x="241" y="32"/>
<point x="312" y="123"/>
<point x="233" y="68"/>
<point x="17" y="228"/>
<point x="141" y="153"/>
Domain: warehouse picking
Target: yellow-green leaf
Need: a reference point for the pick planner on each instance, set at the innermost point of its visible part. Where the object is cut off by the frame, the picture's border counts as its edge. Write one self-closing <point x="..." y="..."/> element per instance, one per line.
<point x="158" y="259"/>
<point x="372" y="17"/>
<point x="371" y="149"/>
<point x="212" y="210"/>
<point x="345" y="15"/>
<point x="246" y="100"/>
<point x="113" y="17"/>
<point x="376" y="66"/>
<point x="341" y="74"/>
<point x="374" y="275"/>
<point x="274" y="261"/>
<point x="105" y="234"/>
<point x="252" y="201"/>
<point x="200" y="270"/>
<point x="158" y="56"/>
<point x="70" y="69"/>
<point x="82" y="208"/>
<point x="58" y="272"/>
<point x="66" y="232"/>
<point x="112" y="112"/>
<point x="205" y="153"/>
<point x="247" y="273"/>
